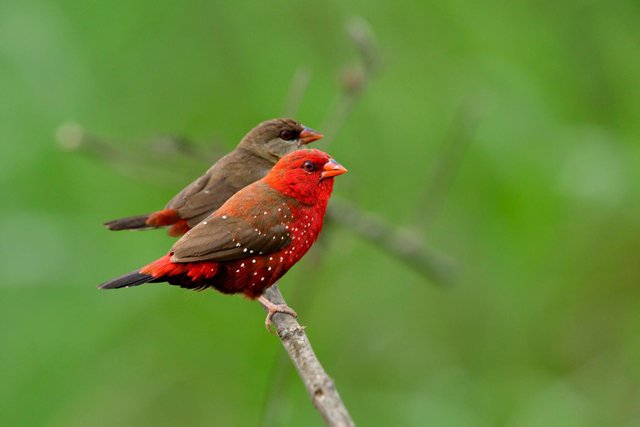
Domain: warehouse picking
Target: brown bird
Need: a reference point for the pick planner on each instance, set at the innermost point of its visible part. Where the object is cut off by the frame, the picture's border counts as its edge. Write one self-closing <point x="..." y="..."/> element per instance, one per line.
<point x="254" y="238"/>
<point x="252" y="159"/>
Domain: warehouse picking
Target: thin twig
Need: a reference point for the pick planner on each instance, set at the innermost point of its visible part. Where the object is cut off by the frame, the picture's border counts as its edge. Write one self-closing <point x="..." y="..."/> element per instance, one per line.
<point x="400" y="243"/>
<point x="319" y="385"/>
<point x="447" y="161"/>
<point x="299" y="84"/>
<point x="354" y="79"/>
<point x="164" y="161"/>
<point x="273" y="411"/>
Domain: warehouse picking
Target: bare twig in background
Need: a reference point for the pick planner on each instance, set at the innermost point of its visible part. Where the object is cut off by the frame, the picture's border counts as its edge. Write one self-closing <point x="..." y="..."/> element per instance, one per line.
<point x="163" y="160"/>
<point x="71" y="136"/>
<point x="354" y="79"/>
<point x="402" y="244"/>
<point x="297" y="89"/>
<point x="447" y="161"/>
<point x="319" y="385"/>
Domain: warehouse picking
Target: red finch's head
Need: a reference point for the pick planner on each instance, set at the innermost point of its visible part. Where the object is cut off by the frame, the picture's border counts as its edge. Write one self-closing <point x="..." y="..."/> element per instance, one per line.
<point x="306" y="175"/>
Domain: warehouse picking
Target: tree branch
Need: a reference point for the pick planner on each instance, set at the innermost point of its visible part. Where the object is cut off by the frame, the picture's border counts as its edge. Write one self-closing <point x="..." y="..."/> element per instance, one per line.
<point x="397" y="242"/>
<point x="319" y="385"/>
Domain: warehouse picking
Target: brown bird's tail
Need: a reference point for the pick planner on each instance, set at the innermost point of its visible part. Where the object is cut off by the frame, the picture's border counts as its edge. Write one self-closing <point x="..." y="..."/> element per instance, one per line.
<point x="129" y="223"/>
<point x="134" y="278"/>
<point x="161" y="218"/>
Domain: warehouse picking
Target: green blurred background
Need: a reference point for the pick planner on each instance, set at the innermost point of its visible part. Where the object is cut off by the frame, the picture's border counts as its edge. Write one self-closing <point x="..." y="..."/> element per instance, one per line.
<point x="542" y="218"/>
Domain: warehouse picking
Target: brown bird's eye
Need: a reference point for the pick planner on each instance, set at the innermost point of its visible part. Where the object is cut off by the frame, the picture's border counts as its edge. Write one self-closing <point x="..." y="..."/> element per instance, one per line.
<point x="289" y="134"/>
<point x="309" y="166"/>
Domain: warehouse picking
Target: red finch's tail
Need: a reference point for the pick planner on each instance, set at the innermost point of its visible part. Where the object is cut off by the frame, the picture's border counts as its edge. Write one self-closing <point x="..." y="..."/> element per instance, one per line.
<point x="134" y="278"/>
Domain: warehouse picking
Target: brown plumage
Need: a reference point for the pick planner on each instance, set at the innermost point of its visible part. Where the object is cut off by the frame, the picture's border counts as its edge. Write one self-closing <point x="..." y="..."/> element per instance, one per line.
<point x="254" y="156"/>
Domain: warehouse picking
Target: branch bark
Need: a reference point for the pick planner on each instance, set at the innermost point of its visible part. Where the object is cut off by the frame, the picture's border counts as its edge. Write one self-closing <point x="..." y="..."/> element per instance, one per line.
<point x="321" y="388"/>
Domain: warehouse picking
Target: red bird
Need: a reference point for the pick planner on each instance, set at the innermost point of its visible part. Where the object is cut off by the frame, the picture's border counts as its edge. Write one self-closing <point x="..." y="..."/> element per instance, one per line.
<point x="255" y="155"/>
<point x="255" y="237"/>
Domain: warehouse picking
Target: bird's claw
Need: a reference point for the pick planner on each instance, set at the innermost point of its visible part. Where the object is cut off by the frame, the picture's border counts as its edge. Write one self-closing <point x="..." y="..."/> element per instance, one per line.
<point x="278" y="308"/>
<point x="273" y="309"/>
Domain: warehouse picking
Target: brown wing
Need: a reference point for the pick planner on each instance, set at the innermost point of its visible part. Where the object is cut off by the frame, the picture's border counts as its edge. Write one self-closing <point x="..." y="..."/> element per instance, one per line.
<point x="201" y="198"/>
<point x="228" y="175"/>
<point x="220" y="239"/>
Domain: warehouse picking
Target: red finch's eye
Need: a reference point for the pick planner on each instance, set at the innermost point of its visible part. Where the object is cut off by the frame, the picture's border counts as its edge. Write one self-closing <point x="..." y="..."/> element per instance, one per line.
<point x="309" y="166"/>
<point x="289" y="135"/>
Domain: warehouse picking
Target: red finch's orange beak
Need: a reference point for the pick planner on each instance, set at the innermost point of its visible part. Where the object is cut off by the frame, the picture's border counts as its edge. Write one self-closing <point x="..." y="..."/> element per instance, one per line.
<point x="332" y="168"/>
<point x="309" y="135"/>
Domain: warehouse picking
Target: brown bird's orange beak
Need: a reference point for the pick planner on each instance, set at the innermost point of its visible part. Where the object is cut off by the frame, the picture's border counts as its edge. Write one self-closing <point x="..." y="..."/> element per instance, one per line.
<point x="309" y="135"/>
<point x="332" y="168"/>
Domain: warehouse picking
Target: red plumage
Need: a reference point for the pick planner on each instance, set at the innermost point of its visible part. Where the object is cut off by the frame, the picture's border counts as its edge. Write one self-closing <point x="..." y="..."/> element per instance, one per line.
<point x="255" y="237"/>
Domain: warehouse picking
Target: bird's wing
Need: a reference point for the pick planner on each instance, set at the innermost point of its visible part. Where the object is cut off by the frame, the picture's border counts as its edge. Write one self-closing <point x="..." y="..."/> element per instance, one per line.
<point x="226" y="239"/>
<point x="227" y="176"/>
<point x="179" y="200"/>
<point x="201" y="197"/>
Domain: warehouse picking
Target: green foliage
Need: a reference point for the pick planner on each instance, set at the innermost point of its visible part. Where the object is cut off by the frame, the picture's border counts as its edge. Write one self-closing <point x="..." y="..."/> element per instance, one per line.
<point x="541" y="328"/>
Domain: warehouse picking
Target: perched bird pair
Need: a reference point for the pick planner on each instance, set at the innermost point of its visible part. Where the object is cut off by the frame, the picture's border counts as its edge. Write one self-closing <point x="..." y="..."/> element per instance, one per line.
<point x="247" y="222"/>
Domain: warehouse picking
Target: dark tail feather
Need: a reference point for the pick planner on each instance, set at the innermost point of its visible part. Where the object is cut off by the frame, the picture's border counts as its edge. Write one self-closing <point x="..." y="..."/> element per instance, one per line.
<point x="134" y="278"/>
<point x="129" y="223"/>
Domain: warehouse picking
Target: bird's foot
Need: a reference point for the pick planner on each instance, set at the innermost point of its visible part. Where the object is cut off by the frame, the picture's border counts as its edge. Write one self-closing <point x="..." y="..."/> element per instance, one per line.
<point x="273" y="309"/>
